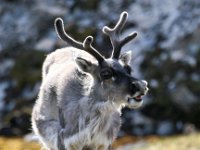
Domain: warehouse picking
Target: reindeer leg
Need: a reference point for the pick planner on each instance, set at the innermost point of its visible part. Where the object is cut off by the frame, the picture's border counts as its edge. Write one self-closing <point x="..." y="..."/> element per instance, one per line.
<point x="77" y="141"/>
<point x="60" y="142"/>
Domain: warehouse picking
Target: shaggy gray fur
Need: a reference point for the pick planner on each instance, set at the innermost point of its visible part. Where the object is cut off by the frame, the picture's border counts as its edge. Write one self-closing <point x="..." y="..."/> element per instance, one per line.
<point x="82" y="93"/>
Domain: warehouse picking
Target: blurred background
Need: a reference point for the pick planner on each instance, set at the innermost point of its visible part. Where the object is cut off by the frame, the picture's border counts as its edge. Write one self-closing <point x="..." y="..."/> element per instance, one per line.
<point x="166" y="53"/>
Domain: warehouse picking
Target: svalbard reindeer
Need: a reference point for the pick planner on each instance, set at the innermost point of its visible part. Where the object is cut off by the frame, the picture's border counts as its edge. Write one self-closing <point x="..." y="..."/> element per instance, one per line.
<point x="82" y="93"/>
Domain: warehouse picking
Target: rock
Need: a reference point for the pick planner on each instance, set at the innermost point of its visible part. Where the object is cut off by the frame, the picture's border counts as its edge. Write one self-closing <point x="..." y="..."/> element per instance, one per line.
<point x="171" y="19"/>
<point x="46" y="44"/>
<point x="3" y="86"/>
<point x="165" y="128"/>
<point x="5" y="66"/>
<point x="141" y="125"/>
<point x="189" y="128"/>
<point x="184" y="98"/>
<point x="30" y="93"/>
<point x="144" y="128"/>
<point x="51" y="10"/>
<point x="23" y="24"/>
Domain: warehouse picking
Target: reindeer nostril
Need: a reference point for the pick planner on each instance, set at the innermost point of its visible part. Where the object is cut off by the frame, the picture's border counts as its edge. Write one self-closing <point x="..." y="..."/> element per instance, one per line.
<point x="135" y="87"/>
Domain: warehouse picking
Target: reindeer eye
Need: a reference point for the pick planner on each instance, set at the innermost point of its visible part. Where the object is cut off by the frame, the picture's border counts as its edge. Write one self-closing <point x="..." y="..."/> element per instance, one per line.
<point x="106" y="73"/>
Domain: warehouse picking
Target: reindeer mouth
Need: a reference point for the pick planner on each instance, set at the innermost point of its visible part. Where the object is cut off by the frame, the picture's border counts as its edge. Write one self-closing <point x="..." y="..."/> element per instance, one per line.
<point x="136" y="98"/>
<point x="135" y="101"/>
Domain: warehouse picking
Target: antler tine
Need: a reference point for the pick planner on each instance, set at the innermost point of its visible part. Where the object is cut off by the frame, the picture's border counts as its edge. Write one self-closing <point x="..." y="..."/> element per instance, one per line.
<point x="59" y="26"/>
<point x="87" y="44"/>
<point x="113" y="33"/>
<point x="118" y="27"/>
<point x="128" y="38"/>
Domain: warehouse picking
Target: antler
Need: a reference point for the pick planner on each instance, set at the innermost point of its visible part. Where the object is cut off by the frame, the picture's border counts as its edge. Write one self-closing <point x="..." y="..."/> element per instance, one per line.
<point x="113" y="33"/>
<point x="59" y="26"/>
<point x="86" y="45"/>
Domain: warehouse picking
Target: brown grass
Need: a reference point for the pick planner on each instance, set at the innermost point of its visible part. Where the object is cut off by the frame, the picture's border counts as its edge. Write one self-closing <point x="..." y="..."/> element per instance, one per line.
<point x="17" y="144"/>
<point x="180" y="142"/>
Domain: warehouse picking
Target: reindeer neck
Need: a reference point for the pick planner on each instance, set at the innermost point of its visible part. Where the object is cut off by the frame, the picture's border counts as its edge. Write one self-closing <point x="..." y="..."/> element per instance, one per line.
<point x="97" y="93"/>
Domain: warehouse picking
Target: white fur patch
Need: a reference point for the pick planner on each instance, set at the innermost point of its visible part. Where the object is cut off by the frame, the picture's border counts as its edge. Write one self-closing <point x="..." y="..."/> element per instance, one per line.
<point x="135" y="104"/>
<point x="78" y="140"/>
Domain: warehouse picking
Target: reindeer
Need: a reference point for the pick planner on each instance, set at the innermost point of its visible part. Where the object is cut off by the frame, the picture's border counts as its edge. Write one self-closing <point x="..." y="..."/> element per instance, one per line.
<point x="82" y="93"/>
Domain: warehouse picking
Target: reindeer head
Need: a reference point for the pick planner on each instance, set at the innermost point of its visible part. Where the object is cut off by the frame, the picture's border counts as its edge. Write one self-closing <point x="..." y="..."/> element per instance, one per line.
<point x="113" y="75"/>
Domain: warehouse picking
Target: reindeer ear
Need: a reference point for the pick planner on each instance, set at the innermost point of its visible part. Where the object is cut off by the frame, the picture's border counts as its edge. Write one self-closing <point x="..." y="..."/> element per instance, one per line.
<point x="84" y="65"/>
<point x="126" y="57"/>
